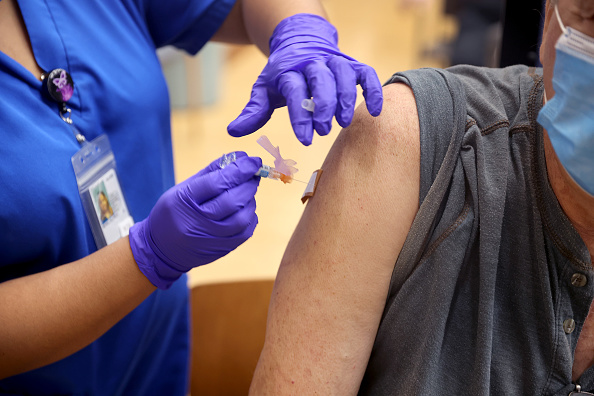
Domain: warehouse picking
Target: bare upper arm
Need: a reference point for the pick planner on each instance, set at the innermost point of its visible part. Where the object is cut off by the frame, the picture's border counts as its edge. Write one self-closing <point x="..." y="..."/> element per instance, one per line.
<point x="333" y="280"/>
<point x="233" y="29"/>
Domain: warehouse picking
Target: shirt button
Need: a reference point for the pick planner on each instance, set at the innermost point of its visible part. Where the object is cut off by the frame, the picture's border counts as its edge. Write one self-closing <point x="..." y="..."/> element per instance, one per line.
<point x="579" y="280"/>
<point x="569" y="326"/>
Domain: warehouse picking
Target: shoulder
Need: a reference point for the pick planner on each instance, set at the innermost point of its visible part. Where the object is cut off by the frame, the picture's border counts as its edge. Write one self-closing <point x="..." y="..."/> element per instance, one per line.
<point x="388" y="144"/>
<point x="397" y="124"/>
<point x="450" y="100"/>
<point x="371" y="174"/>
<point x="441" y="106"/>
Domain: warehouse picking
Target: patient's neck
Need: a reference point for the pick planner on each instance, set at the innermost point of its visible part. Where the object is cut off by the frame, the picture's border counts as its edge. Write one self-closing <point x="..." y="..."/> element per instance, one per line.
<point x="577" y="204"/>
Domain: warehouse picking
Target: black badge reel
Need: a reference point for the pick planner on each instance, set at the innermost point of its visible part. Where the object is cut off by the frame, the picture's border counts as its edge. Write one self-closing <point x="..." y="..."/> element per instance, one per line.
<point x="95" y="169"/>
<point x="58" y="85"/>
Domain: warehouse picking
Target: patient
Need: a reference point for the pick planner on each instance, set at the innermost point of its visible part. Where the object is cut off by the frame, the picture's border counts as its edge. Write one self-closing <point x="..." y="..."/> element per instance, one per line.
<point x="447" y="249"/>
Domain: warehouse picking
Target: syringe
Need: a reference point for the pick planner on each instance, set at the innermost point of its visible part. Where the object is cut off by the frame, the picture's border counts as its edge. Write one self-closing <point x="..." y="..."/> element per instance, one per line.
<point x="271" y="173"/>
<point x="265" y="171"/>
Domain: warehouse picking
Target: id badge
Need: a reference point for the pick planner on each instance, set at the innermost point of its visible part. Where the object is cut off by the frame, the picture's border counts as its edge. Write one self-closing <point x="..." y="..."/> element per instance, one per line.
<point x="100" y="192"/>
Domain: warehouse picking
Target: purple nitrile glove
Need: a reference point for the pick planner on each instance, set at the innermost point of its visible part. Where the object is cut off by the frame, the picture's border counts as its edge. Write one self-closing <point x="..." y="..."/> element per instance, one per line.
<point x="305" y="61"/>
<point x="197" y="221"/>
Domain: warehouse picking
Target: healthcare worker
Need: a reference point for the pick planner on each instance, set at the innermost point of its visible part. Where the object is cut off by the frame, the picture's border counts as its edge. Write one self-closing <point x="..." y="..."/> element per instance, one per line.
<point x="86" y="308"/>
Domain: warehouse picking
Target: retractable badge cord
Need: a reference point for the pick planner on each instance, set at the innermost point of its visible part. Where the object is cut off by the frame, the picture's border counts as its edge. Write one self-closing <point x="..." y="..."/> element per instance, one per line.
<point x="95" y="170"/>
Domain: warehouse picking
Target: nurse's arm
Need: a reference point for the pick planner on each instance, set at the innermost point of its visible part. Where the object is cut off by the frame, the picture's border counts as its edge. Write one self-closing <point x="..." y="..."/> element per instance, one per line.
<point x="253" y="21"/>
<point x="333" y="280"/>
<point x="50" y="315"/>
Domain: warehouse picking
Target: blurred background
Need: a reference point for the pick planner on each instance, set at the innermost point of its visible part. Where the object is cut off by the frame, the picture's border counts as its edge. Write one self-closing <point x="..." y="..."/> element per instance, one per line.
<point x="208" y="91"/>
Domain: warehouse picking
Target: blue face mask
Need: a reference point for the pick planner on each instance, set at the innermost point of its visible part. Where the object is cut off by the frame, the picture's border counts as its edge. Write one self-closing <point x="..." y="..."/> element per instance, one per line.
<point x="569" y="116"/>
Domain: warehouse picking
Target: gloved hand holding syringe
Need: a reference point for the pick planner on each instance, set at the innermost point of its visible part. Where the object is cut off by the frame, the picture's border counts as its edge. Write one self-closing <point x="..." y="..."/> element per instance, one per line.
<point x="206" y="216"/>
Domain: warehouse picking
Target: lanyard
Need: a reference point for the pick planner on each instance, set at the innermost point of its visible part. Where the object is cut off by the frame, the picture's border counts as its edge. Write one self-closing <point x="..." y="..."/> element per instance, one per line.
<point x="95" y="170"/>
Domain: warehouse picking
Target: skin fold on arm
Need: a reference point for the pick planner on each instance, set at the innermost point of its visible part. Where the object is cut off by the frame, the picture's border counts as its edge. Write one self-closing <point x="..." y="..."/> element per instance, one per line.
<point x="333" y="280"/>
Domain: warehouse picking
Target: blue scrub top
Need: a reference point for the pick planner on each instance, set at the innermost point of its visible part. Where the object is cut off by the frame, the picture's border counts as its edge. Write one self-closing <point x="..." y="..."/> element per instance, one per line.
<point x="108" y="47"/>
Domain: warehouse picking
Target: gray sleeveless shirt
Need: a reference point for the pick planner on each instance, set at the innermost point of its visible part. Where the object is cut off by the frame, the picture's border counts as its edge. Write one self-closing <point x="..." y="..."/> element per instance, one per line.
<point x="491" y="289"/>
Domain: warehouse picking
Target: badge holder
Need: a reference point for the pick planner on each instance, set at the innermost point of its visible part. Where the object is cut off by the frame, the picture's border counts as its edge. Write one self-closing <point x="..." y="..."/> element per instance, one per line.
<point x="95" y="170"/>
<point x="99" y="188"/>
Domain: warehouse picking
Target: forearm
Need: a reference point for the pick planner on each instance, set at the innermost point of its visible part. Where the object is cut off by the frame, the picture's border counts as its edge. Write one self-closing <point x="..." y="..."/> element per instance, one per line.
<point x="50" y="315"/>
<point x="262" y="16"/>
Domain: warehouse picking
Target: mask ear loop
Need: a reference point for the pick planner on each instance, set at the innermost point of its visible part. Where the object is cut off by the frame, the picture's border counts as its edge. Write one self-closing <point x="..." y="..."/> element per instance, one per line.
<point x="559" y="19"/>
<point x="564" y="29"/>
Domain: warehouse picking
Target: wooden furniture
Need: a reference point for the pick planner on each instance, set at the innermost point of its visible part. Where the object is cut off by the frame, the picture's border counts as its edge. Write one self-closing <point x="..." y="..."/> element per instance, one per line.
<point x="228" y="327"/>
